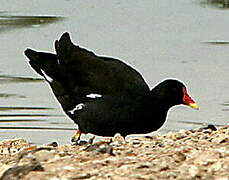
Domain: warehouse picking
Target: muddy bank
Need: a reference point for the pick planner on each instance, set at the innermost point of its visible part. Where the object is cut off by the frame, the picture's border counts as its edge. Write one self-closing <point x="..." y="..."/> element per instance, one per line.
<point x="194" y="154"/>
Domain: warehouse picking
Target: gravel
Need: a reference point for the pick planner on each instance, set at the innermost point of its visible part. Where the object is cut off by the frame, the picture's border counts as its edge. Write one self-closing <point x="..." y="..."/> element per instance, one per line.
<point x="194" y="154"/>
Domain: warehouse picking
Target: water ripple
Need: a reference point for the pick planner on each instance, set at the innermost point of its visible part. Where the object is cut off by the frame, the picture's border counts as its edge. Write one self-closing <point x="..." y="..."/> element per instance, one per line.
<point x="8" y="21"/>
<point x="5" y="79"/>
<point x="39" y="128"/>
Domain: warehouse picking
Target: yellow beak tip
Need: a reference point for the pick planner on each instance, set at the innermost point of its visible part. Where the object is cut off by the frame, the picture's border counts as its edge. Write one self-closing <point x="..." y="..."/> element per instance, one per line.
<point x="194" y="106"/>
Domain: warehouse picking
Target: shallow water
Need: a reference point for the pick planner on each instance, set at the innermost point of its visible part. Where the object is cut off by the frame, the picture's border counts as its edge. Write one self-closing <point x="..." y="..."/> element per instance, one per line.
<point x="187" y="40"/>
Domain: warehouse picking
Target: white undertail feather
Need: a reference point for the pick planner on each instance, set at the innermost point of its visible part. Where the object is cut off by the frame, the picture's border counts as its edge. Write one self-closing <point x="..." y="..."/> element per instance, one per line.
<point x="93" y="95"/>
<point x="78" y="107"/>
<point x="47" y="78"/>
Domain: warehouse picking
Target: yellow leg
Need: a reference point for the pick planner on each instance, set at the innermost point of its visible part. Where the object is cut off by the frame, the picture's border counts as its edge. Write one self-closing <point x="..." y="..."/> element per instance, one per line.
<point x="76" y="136"/>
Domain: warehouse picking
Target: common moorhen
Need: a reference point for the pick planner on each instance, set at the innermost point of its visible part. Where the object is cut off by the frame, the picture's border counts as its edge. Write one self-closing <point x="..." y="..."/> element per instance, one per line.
<point x="103" y="95"/>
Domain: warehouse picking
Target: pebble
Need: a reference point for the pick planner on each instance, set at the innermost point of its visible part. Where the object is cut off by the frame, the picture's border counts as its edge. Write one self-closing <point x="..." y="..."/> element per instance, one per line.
<point x="193" y="171"/>
<point x="44" y="155"/>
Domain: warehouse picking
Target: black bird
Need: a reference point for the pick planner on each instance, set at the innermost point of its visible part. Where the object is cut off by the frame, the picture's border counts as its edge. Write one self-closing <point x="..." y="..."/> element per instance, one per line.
<point x="104" y="95"/>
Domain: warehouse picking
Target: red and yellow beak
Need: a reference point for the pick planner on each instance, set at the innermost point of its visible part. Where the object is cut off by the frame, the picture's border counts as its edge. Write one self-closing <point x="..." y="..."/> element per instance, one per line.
<point x="187" y="100"/>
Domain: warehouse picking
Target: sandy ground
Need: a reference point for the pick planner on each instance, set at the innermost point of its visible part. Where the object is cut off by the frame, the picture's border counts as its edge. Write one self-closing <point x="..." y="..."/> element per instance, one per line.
<point x="194" y="154"/>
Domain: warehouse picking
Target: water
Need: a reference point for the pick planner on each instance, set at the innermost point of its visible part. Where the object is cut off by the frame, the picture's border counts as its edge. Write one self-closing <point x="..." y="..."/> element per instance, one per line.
<point x="186" y="39"/>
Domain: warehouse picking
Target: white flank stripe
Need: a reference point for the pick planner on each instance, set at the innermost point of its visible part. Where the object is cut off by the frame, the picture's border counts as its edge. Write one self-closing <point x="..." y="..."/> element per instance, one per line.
<point x="78" y="107"/>
<point x="58" y="61"/>
<point x="92" y="95"/>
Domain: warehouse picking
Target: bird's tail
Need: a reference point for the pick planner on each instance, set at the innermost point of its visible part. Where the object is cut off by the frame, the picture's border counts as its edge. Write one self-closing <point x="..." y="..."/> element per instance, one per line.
<point x="45" y="64"/>
<point x="67" y="52"/>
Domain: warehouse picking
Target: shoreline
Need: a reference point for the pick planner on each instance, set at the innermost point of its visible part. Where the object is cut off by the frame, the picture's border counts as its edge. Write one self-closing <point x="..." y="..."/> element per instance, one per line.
<point x="187" y="154"/>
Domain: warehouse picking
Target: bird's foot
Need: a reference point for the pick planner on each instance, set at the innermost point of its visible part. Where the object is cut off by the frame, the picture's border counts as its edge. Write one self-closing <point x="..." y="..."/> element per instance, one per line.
<point x="76" y="138"/>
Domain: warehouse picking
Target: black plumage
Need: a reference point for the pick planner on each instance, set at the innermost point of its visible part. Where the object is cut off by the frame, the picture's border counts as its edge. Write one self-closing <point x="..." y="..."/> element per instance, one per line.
<point x="103" y="95"/>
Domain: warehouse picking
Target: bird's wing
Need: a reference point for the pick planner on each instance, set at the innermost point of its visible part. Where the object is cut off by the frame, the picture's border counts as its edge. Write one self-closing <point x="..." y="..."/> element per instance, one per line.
<point x="76" y="74"/>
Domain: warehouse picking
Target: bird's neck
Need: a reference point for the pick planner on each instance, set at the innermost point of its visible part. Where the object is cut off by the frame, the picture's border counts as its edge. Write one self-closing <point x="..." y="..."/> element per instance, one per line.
<point x="158" y="102"/>
<point x="155" y="113"/>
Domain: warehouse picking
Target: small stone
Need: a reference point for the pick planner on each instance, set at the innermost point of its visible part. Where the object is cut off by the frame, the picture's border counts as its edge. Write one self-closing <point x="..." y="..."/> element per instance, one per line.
<point x="179" y="156"/>
<point x="83" y="176"/>
<point x="222" y="178"/>
<point x="149" y="137"/>
<point x="206" y="158"/>
<point x="53" y="144"/>
<point x="100" y="147"/>
<point x="180" y="135"/>
<point x="211" y="127"/>
<point x="215" y="167"/>
<point x="223" y="150"/>
<point x="194" y="171"/>
<point x="119" y="139"/>
<point x="163" y="167"/>
<point x="68" y="168"/>
<point x="106" y="149"/>
<point x="142" y="166"/>
<point x="183" y="131"/>
<point x="136" y="142"/>
<point x="44" y="155"/>
<point x="221" y="139"/>
<point x="207" y="131"/>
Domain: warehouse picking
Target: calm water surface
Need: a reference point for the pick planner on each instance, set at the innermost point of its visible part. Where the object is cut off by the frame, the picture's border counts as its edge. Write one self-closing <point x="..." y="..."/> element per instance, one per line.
<point x="187" y="40"/>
